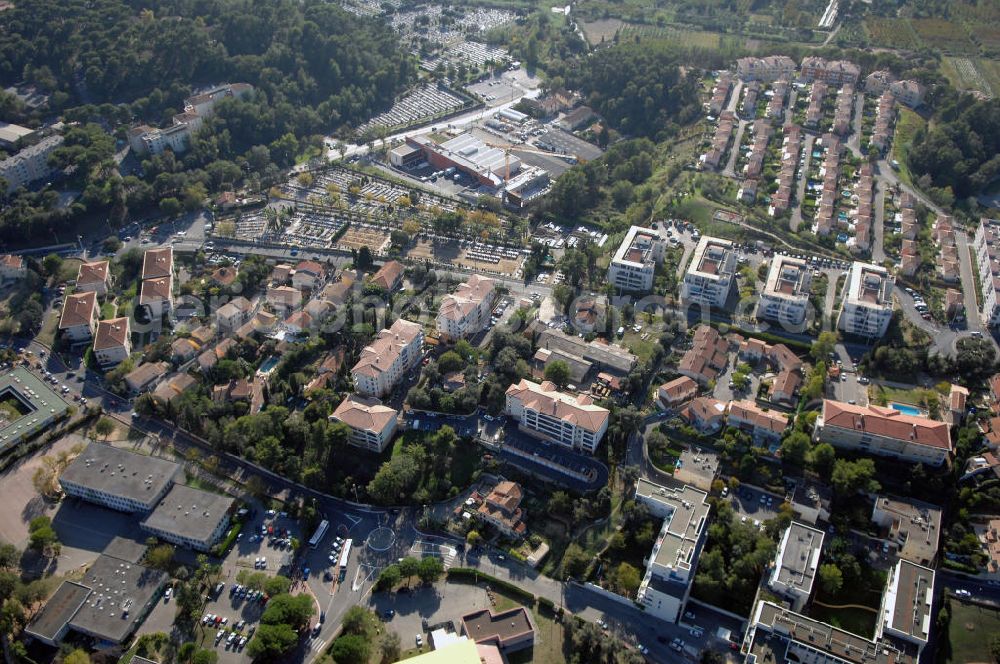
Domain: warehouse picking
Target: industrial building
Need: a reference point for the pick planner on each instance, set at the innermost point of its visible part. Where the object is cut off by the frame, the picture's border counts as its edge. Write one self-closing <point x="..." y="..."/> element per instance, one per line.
<point x="118" y="479"/>
<point x="487" y="165"/>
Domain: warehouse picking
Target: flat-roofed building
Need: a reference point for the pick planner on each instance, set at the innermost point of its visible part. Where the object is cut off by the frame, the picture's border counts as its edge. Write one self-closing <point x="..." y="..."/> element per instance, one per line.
<point x="986" y="245"/>
<point x="510" y="630"/>
<point x="33" y="406"/>
<point x="93" y="276"/>
<point x="796" y="564"/>
<point x="30" y="164"/>
<point x="158" y="263"/>
<point x="118" y="479"/>
<point x="779" y="635"/>
<point x="544" y="412"/>
<point x="113" y="342"/>
<point x="913" y="526"/>
<point x="607" y="357"/>
<point x="906" y="605"/>
<point x="372" y="423"/>
<point x="108" y="604"/>
<point x="634" y="264"/>
<point x="785" y="296"/>
<point x="78" y="321"/>
<point x="10" y="134"/>
<point x="466" y="311"/>
<point x="670" y="567"/>
<point x="384" y="361"/>
<point x="189" y="517"/>
<point x="487" y="165"/>
<point x="711" y="274"/>
<point x="883" y="432"/>
<point x="909" y="93"/>
<point x="867" y="305"/>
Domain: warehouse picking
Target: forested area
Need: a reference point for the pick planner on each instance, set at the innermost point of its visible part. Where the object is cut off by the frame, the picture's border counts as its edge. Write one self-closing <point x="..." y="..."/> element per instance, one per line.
<point x="961" y="149"/>
<point x="151" y="53"/>
<point x="637" y="86"/>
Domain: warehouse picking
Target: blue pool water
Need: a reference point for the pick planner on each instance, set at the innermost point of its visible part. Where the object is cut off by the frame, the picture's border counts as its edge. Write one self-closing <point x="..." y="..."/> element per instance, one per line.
<point x="906" y="409"/>
<point x="268" y="365"/>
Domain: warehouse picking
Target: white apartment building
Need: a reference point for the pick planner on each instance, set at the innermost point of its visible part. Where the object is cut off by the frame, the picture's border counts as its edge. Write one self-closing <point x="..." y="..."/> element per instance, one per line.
<point x="867" y="306"/>
<point x="796" y="564"/>
<point x="634" y="264"/>
<point x="905" y="612"/>
<point x="30" y="164"/>
<point x="908" y="93"/>
<point x="148" y="140"/>
<point x="383" y="362"/>
<point x="883" y="432"/>
<point x="118" y="479"/>
<point x="467" y="310"/>
<point x="671" y="565"/>
<point x="986" y="244"/>
<point x="112" y="342"/>
<point x="711" y="274"/>
<point x="79" y="317"/>
<point x="785" y="297"/>
<point x="544" y="412"/>
<point x="372" y="424"/>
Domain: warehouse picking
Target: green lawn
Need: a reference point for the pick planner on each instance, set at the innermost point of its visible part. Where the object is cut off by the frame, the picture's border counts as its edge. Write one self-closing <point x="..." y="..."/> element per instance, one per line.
<point x="906" y="126"/>
<point x="856" y="621"/>
<point x="969" y="634"/>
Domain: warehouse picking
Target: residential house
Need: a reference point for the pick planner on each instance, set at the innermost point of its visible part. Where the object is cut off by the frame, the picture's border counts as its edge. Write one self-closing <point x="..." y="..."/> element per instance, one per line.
<point x="502" y="509"/>
<point x="763" y="425"/>
<point x="383" y="362"/>
<point x="112" y="342"/>
<point x="283" y="299"/>
<point x="79" y="317"/>
<point x="93" y="276"/>
<point x="707" y="358"/>
<point x="308" y="275"/>
<point x="168" y="391"/>
<point x="145" y="375"/>
<point x="389" y="277"/>
<point x="677" y="391"/>
<point x="785" y="388"/>
<point x="12" y="268"/>
<point x="233" y="314"/>
<point x="183" y="350"/>
<point x="705" y="414"/>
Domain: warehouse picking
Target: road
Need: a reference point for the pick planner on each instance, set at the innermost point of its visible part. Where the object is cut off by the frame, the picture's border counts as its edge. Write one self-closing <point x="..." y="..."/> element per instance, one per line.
<point x="968" y="281"/>
<point x="800" y="185"/>
<point x="854" y="140"/>
<point x="878" y="243"/>
<point x="730" y="169"/>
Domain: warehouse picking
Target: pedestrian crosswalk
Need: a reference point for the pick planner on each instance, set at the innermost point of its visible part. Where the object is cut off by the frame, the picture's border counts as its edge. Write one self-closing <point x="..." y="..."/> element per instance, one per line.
<point x="317" y="645"/>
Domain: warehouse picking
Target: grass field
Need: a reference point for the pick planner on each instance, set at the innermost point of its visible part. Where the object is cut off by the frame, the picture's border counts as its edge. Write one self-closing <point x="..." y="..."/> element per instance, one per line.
<point x="602" y="30"/>
<point x="949" y="36"/>
<point x="891" y="32"/>
<point x="685" y="38"/>
<point x="969" y="634"/>
<point x="854" y="620"/>
<point x="906" y="126"/>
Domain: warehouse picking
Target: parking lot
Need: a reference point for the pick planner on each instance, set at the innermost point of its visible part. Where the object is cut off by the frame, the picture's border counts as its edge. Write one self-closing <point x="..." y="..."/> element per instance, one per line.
<point x="754" y="505"/>
<point x="697" y="467"/>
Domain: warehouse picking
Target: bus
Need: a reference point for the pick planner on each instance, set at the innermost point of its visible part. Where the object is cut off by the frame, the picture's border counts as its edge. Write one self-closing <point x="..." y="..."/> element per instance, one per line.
<point x="344" y="554"/>
<point x="320" y="533"/>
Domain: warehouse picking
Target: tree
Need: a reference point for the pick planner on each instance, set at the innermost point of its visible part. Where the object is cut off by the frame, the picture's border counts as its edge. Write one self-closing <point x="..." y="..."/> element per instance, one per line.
<point x="170" y="206"/>
<point x="408" y="567"/>
<point x="364" y="261"/>
<point x="293" y="610"/>
<point x="557" y="371"/>
<point x="821" y="459"/>
<point x="575" y="560"/>
<point x="850" y="477"/>
<point x="794" y="448"/>
<point x="430" y="570"/>
<point x="104" y="427"/>
<point x="77" y="656"/>
<point x="831" y="579"/>
<point x="356" y="620"/>
<point x="351" y="649"/>
<point x="389" y="578"/>
<point x="42" y="536"/>
<point x="450" y="361"/>
<point x="205" y="657"/>
<point x="52" y="264"/>
<point x="473" y="539"/>
<point x="160" y="557"/>
<point x="628" y="578"/>
<point x="390" y="646"/>
<point x="271" y="642"/>
<point x="823" y="346"/>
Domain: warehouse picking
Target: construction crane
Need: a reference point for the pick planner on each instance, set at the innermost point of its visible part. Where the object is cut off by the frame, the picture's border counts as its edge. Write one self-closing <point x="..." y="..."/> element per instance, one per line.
<point x="507" y="149"/>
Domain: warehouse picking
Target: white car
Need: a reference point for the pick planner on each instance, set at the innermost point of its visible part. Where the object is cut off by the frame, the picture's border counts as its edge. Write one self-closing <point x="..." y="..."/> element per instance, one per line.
<point x="420" y="641"/>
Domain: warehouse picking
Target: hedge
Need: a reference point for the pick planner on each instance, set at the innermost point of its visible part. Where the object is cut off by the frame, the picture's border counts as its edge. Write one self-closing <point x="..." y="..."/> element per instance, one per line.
<point x="767" y="337"/>
<point x="223" y="546"/>
<point x="547" y="604"/>
<point x="467" y="575"/>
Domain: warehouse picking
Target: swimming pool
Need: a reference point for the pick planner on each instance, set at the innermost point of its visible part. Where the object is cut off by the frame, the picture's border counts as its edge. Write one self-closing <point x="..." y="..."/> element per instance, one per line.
<point x="907" y="409"/>
<point x="267" y="366"/>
